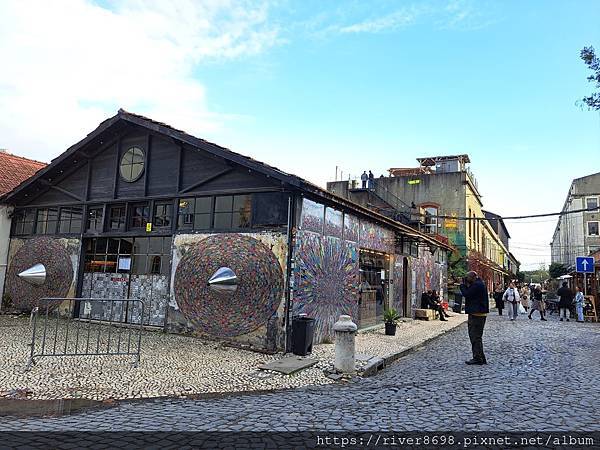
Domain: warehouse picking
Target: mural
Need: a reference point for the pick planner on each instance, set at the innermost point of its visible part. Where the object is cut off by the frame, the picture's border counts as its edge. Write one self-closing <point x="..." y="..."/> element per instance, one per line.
<point x="54" y="255"/>
<point x="312" y="216"/>
<point x="325" y="280"/>
<point x="228" y="313"/>
<point x="334" y="222"/>
<point x="351" y="228"/>
<point x="428" y="274"/>
<point x="375" y="237"/>
<point x="397" y="301"/>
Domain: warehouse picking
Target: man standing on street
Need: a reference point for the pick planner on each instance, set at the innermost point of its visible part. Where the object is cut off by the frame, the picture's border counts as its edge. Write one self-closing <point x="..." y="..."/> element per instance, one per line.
<point x="477" y="306"/>
<point x="566" y="301"/>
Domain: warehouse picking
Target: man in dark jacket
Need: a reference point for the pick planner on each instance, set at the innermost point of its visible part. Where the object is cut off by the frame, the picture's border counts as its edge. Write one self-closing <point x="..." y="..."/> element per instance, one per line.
<point x="566" y="301"/>
<point x="477" y="306"/>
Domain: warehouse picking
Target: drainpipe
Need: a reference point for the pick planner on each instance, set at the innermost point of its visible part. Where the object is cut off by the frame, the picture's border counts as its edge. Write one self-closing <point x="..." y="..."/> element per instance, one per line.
<point x="288" y="298"/>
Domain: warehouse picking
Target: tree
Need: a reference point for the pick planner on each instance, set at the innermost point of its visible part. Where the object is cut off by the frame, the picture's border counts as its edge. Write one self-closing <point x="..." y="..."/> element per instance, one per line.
<point x="590" y="59"/>
<point x="558" y="269"/>
<point x="520" y="276"/>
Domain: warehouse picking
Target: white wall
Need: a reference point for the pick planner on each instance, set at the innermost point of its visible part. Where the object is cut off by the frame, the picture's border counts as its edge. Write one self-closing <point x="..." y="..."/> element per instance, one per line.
<point x="4" y="243"/>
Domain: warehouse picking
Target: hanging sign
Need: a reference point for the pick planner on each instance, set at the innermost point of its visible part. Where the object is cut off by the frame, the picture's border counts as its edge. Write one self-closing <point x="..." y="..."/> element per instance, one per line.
<point x="148" y="227"/>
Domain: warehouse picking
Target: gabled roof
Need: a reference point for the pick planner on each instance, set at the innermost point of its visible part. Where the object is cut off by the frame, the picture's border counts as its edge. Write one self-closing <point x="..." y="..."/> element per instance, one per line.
<point x="16" y="169"/>
<point x="493" y="216"/>
<point x="250" y="163"/>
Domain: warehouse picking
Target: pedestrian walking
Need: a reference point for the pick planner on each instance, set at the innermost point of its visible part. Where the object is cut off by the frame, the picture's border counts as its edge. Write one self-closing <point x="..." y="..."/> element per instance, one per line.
<point x="477" y="306"/>
<point x="579" y="302"/>
<point x="498" y="293"/>
<point x="371" y="180"/>
<point x="364" y="178"/>
<point x="511" y="300"/>
<point x="537" y="303"/>
<point x="525" y="296"/>
<point x="566" y="301"/>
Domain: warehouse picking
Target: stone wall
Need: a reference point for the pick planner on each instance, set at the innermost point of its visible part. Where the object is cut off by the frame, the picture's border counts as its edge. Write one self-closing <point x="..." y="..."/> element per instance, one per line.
<point x="252" y="314"/>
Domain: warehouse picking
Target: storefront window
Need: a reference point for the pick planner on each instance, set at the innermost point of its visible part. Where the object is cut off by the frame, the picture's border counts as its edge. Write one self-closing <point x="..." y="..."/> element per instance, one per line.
<point x="47" y="219"/>
<point x="162" y="214"/>
<point x="70" y="220"/>
<point x="22" y="222"/>
<point x="228" y="212"/>
<point x="94" y="219"/>
<point x="373" y="288"/>
<point x="140" y="215"/>
<point x="116" y="218"/>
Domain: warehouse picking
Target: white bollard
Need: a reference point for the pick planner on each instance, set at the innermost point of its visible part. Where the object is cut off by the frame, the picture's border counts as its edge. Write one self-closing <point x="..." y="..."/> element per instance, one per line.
<point x="345" y="354"/>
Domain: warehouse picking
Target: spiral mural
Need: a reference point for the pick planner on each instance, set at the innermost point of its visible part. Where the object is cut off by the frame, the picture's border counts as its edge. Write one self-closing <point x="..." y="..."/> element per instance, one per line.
<point x="325" y="280"/>
<point x="228" y="313"/>
<point x="59" y="273"/>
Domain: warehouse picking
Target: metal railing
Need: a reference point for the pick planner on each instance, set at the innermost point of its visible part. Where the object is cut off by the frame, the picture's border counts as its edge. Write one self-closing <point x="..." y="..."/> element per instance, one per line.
<point x="103" y="327"/>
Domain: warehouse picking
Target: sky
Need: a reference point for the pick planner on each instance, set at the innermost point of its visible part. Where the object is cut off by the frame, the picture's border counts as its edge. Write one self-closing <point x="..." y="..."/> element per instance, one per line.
<point x="310" y="85"/>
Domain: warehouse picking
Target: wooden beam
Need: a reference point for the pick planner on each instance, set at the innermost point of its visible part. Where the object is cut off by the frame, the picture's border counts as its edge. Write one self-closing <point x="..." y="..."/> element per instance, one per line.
<point x="147" y="162"/>
<point x="88" y="178"/>
<point x="206" y="180"/>
<point x="117" y="160"/>
<point x="179" y="165"/>
<point x="67" y="193"/>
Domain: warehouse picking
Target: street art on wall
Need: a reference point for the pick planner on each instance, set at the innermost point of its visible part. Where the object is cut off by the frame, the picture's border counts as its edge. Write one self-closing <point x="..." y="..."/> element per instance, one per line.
<point x="398" y="284"/>
<point x="428" y="274"/>
<point x="375" y="237"/>
<point x="351" y="228"/>
<point x="334" y="221"/>
<point x="235" y="312"/>
<point x="325" y="280"/>
<point x="312" y="217"/>
<point x="59" y="273"/>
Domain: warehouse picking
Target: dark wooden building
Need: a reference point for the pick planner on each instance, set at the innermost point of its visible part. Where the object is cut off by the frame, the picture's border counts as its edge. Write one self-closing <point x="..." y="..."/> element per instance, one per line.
<point x="138" y="209"/>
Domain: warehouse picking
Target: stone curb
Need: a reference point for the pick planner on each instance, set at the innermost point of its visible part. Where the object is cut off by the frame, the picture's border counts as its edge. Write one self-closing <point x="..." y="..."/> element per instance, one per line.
<point x="377" y="364"/>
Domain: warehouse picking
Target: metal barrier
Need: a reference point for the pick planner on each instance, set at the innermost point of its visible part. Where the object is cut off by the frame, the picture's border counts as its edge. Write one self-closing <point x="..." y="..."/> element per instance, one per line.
<point x="103" y="327"/>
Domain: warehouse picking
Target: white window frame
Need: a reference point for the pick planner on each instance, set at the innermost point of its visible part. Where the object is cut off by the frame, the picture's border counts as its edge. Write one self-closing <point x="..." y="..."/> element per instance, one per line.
<point x="432" y="227"/>
<point x="587" y="228"/>
<point x="590" y="198"/>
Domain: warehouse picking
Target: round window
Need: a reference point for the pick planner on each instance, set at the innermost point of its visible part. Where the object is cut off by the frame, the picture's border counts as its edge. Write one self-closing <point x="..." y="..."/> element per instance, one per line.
<point x="132" y="164"/>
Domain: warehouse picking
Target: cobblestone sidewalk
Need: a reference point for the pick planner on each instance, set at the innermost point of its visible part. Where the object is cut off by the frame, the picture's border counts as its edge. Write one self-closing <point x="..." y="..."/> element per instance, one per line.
<point x="175" y="366"/>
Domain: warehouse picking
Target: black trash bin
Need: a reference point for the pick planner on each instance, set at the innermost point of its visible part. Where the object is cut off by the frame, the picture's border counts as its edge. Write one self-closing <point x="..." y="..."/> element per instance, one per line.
<point x="303" y="330"/>
<point x="458" y="299"/>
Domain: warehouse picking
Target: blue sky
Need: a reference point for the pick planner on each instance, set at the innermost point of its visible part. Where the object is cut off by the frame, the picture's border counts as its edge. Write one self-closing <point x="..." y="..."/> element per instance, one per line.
<point x="309" y="85"/>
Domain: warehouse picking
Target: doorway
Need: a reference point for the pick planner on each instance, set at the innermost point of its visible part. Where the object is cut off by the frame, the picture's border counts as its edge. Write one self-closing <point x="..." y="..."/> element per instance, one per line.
<point x="127" y="268"/>
<point x="373" y="288"/>
<point x="405" y="311"/>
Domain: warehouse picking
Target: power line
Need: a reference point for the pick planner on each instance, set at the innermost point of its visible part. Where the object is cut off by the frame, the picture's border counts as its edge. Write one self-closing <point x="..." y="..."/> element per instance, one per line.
<point x="562" y="213"/>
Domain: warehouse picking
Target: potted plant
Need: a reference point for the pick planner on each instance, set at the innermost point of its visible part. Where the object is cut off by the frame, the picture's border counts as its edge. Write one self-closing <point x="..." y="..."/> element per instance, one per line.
<point x="390" y="318"/>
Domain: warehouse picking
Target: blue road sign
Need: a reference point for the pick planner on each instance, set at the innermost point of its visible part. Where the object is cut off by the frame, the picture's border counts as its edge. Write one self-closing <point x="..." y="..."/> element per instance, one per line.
<point x="584" y="264"/>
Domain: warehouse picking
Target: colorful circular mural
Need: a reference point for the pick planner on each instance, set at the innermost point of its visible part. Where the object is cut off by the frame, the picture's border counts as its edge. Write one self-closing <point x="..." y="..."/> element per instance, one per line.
<point x="59" y="273"/>
<point x="231" y="312"/>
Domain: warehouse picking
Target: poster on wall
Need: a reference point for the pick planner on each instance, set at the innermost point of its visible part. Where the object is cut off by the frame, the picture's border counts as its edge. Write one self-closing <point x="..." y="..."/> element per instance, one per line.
<point x="375" y="237"/>
<point x="333" y="223"/>
<point x="351" y="227"/>
<point x="313" y="214"/>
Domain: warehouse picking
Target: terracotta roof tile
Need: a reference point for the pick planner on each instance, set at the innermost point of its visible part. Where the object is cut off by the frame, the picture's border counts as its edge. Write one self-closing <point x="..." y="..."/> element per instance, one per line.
<point x="16" y="169"/>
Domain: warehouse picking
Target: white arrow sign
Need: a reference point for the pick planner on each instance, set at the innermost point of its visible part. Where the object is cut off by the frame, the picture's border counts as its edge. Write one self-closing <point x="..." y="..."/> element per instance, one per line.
<point x="584" y="264"/>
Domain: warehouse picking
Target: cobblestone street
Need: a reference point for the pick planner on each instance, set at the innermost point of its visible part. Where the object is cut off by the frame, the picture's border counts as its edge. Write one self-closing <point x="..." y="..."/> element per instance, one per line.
<point x="540" y="377"/>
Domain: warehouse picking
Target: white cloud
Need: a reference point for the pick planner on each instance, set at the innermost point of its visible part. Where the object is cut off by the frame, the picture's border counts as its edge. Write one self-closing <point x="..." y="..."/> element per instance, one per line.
<point x="389" y="22"/>
<point x="68" y="65"/>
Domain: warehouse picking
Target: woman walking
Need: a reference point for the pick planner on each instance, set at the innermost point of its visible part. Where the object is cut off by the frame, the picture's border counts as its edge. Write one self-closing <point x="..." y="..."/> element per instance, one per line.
<point x="498" y="298"/>
<point x="511" y="299"/>
<point x="525" y="294"/>
<point x="537" y="303"/>
<point x="579" y="301"/>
